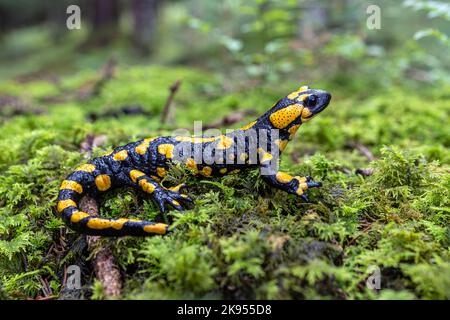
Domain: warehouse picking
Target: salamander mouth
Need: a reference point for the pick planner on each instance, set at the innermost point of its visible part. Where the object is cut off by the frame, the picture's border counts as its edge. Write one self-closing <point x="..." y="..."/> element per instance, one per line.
<point x="320" y="109"/>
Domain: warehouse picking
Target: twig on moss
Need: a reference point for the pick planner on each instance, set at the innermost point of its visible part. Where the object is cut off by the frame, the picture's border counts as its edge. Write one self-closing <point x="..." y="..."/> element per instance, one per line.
<point x="107" y="72"/>
<point x="45" y="287"/>
<point x="362" y="149"/>
<point x="125" y="110"/>
<point x="366" y="229"/>
<point x="89" y="89"/>
<point x="366" y="172"/>
<point x="92" y="141"/>
<point x="344" y="170"/>
<point x="166" y="110"/>
<point x="12" y="106"/>
<point x="103" y="261"/>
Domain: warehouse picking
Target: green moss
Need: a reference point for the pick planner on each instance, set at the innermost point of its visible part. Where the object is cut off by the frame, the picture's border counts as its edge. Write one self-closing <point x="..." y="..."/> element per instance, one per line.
<point x="242" y="239"/>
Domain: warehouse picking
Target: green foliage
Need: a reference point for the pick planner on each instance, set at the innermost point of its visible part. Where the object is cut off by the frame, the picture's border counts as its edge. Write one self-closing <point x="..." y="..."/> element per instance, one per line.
<point x="243" y="239"/>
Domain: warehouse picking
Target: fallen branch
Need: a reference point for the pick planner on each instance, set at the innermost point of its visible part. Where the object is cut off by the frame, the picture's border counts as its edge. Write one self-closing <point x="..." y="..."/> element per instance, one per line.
<point x="92" y="141"/>
<point x="366" y="229"/>
<point x="11" y="106"/>
<point x="106" y="73"/>
<point x="166" y="110"/>
<point x="105" y="268"/>
<point x="365" y="172"/>
<point x="125" y="110"/>
<point x="344" y="170"/>
<point x="363" y="150"/>
<point x="89" y="89"/>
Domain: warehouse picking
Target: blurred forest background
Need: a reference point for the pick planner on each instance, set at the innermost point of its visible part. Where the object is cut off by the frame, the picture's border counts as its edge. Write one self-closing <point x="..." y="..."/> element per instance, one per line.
<point x="254" y="41"/>
<point x="381" y="148"/>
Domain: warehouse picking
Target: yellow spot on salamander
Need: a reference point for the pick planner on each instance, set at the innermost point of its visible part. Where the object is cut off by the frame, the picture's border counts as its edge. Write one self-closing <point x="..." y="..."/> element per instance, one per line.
<point x="63" y="204"/>
<point x="77" y="216"/>
<point x="177" y="187"/>
<point x="306" y="113"/>
<point x="143" y="146"/>
<point x="300" y="179"/>
<point x="292" y="130"/>
<point x="103" y="182"/>
<point x="166" y="150"/>
<point x="248" y="126"/>
<point x="175" y="202"/>
<point x="147" y="186"/>
<point x="303" y="88"/>
<point x="121" y="155"/>
<point x="223" y="170"/>
<point x="266" y="157"/>
<point x="71" y="185"/>
<point x="296" y="95"/>
<point x="243" y="156"/>
<point x="135" y="174"/>
<point x="99" y="223"/>
<point x="224" y="142"/>
<point x="161" y="171"/>
<point x="159" y="228"/>
<point x="292" y="95"/>
<point x="206" y="171"/>
<point x="191" y="164"/>
<point x="283" y="177"/>
<point x="301" y="187"/>
<point x="86" y="167"/>
<point x="283" y="117"/>
<point x="281" y="144"/>
<point x="118" y="224"/>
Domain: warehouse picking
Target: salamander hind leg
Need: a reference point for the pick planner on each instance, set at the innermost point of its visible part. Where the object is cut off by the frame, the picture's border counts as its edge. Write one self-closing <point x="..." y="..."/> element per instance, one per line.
<point x="77" y="185"/>
<point x="161" y="195"/>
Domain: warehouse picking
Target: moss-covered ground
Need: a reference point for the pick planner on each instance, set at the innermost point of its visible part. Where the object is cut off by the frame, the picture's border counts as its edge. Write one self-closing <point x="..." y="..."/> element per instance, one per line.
<point x="243" y="239"/>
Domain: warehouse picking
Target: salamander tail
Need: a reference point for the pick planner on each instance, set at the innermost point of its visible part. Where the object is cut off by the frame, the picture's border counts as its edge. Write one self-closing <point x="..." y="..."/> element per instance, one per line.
<point x="69" y="196"/>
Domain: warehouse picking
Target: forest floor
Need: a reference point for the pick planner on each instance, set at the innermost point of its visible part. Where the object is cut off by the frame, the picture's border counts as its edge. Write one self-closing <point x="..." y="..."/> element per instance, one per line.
<point x="384" y="206"/>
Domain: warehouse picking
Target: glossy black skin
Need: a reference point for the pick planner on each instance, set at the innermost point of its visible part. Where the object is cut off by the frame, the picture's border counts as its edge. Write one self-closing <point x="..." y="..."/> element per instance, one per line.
<point x="119" y="171"/>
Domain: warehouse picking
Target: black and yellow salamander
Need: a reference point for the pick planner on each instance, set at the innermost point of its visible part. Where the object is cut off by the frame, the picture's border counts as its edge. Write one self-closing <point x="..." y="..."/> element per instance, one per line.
<point x="142" y="165"/>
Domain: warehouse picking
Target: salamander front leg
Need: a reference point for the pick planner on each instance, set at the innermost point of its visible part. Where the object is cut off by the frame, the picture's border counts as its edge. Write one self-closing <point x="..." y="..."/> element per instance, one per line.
<point x="291" y="184"/>
<point x="160" y="194"/>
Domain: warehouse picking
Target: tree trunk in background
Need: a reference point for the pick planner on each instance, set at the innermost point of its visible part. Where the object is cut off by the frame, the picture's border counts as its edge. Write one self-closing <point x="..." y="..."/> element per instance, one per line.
<point x="145" y="13"/>
<point x="105" y="21"/>
<point x="313" y="20"/>
<point x="106" y="14"/>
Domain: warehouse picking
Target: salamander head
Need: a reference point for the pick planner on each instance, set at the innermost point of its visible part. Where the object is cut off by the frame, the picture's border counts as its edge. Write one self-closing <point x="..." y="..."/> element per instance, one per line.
<point x="313" y="101"/>
<point x="297" y="107"/>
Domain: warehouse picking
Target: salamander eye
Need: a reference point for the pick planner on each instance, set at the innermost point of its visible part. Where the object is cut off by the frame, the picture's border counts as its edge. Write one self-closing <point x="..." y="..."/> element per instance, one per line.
<point x="312" y="100"/>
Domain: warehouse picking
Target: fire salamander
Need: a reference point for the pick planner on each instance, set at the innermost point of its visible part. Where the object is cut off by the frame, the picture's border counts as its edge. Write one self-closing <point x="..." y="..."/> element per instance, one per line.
<point x="144" y="163"/>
